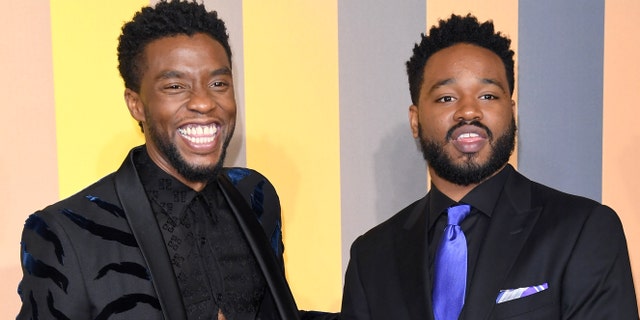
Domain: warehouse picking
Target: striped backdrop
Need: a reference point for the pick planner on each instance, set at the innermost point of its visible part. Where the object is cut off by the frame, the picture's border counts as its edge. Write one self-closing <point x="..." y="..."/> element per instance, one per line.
<point x="323" y="112"/>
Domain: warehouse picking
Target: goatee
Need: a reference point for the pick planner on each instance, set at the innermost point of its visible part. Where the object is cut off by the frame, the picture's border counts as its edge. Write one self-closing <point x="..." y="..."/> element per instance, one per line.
<point x="471" y="171"/>
<point x="188" y="171"/>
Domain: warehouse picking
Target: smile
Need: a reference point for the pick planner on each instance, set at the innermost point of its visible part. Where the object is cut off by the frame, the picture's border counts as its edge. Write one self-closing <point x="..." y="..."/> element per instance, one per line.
<point x="468" y="139"/>
<point x="199" y="134"/>
<point x="468" y="135"/>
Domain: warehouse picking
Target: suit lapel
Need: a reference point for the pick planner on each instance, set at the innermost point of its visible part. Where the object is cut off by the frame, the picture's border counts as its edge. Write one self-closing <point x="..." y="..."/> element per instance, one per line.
<point x="145" y="229"/>
<point x="411" y="257"/>
<point x="511" y="225"/>
<point x="261" y="249"/>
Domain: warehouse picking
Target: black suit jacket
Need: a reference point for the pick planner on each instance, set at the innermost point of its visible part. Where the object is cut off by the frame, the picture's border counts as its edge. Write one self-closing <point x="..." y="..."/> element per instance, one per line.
<point x="537" y="235"/>
<point x="100" y="254"/>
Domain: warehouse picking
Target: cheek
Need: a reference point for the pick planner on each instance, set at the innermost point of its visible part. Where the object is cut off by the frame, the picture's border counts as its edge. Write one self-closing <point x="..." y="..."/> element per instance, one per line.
<point x="438" y="127"/>
<point x="231" y="109"/>
<point x="503" y="121"/>
<point x="223" y="101"/>
<point x="159" y="118"/>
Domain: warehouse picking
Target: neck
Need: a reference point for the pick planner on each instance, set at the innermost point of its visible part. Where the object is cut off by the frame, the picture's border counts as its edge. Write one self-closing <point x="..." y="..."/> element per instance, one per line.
<point x="455" y="191"/>
<point x="168" y="168"/>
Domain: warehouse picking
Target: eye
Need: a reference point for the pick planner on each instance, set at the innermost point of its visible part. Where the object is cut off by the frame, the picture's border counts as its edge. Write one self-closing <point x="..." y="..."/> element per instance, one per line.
<point x="488" y="97"/>
<point x="446" y="99"/>
<point x="174" y="86"/>
<point x="218" y="84"/>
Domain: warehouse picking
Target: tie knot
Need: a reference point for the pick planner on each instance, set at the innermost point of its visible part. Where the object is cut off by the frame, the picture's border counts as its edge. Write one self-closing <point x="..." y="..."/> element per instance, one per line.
<point x="457" y="213"/>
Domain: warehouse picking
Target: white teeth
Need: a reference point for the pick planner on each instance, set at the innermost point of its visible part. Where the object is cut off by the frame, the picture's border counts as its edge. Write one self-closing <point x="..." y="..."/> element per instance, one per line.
<point x="199" y="139"/>
<point x="468" y="135"/>
<point x="199" y="134"/>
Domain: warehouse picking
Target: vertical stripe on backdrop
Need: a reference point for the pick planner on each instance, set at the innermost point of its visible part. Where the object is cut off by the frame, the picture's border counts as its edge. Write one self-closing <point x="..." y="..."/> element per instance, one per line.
<point x="28" y="164"/>
<point x="381" y="167"/>
<point x="230" y="11"/>
<point x="94" y="128"/>
<point x="292" y="134"/>
<point x="621" y="133"/>
<point x="560" y="94"/>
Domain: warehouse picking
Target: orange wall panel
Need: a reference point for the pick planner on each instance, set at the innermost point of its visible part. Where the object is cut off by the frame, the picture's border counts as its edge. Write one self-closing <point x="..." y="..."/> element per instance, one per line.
<point x="621" y="133"/>
<point x="28" y="164"/>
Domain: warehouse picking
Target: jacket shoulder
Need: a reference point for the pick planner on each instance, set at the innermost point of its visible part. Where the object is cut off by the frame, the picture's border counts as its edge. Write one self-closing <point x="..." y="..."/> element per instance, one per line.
<point x="255" y="188"/>
<point x="262" y="198"/>
<point x="527" y="194"/>
<point x="382" y="233"/>
<point x="73" y="249"/>
<point x="99" y="195"/>
<point x="570" y="206"/>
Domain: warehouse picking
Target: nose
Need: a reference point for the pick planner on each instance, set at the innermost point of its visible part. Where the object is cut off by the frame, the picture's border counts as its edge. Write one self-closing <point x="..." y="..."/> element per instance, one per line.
<point x="468" y="110"/>
<point x="201" y="101"/>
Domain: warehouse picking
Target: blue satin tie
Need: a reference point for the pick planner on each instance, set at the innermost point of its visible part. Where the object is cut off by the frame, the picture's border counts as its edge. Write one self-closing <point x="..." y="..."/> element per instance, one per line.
<point x="451" y="267"/>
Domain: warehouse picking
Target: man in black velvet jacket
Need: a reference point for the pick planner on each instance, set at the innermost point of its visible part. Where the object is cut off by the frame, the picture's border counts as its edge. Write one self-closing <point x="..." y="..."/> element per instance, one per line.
<point x="171" y="234"/>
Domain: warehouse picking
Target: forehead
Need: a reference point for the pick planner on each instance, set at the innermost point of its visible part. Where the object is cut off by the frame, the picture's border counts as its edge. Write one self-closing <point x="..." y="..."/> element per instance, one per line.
<point x="195" y="50"/>
<point x="461" y="59"/>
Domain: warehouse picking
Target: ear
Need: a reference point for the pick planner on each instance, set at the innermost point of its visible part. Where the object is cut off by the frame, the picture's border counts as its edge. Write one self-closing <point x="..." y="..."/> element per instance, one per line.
<point x="136" y="108"/>
<point x="413" y="120"/>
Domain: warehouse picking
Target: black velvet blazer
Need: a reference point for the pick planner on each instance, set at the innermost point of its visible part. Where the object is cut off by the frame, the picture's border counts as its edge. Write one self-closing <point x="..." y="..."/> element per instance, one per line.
<point x="99" y="254"/>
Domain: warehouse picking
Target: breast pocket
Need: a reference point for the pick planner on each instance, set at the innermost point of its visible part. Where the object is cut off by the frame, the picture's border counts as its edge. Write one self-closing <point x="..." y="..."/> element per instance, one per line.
<point x="536" y="306"/>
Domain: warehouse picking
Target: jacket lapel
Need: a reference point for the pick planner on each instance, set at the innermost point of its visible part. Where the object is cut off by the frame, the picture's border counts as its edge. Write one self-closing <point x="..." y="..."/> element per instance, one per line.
<point x="261" y="249"/>
<point x="511" y="224"/>
<point x="149" y="237"/>
<point x="411" y="257"/>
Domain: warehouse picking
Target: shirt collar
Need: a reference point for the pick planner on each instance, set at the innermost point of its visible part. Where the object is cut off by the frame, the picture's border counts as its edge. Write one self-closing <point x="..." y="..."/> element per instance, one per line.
<point x="156" y="180"/>
<point x="483" y="197"/>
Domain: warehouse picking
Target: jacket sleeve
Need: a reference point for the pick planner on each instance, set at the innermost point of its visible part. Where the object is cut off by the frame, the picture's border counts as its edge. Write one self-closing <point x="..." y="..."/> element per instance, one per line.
<point x="598" y="282"/>
<point x="354" y="300"/>
<point x="52" y="286"/>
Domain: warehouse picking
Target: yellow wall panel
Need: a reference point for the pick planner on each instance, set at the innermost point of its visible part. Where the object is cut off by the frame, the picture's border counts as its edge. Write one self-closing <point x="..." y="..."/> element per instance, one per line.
<point x="292" y="135"/>
<point x="94" y="128"/>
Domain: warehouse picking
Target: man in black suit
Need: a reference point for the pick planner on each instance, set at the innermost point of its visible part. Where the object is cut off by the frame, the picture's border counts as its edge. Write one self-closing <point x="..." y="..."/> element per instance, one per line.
<point x="171" y="234"/>
<point x="531" y="252"/>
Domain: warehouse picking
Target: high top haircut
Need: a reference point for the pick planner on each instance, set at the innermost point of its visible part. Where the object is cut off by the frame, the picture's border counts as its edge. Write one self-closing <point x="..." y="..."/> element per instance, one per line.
<point x="166" y="19"/>
<point x="457" y="29"/>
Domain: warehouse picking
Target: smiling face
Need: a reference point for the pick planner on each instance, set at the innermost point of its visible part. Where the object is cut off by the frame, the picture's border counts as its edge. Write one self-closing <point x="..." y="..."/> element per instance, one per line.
<point x="464" y="118"/>
<point x="186" y="105"/>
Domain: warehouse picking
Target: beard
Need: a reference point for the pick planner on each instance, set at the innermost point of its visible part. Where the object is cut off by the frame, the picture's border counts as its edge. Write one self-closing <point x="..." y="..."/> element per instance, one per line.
<point x="190" y="172"/>
<point x="469" y="172"/>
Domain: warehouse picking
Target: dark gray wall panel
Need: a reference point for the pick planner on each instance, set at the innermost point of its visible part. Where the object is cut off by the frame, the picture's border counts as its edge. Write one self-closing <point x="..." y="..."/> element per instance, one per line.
<point x="560" y="93"/>
<point x="381" y="169"/>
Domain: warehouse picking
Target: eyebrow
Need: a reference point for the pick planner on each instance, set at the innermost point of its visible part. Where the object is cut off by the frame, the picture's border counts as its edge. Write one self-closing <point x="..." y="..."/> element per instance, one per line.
<point x="221" y="71"/>
<point x="441" y="83"/>
<point x="494" y="82"/>
<point x="452" y="80"/>
<point x="170" y="74"/>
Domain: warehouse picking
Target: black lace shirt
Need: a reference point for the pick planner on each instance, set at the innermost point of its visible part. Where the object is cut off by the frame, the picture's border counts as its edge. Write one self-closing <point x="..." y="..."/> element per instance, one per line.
<point x="214" y="265"/>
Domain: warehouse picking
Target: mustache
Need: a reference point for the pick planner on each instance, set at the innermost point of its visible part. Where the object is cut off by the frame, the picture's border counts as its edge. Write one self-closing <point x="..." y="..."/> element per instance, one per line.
<point x="470" y="123"/>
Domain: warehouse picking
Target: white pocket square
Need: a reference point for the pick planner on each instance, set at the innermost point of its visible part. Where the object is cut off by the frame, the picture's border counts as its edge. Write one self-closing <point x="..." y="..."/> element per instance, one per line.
<point x="513" y="294"/>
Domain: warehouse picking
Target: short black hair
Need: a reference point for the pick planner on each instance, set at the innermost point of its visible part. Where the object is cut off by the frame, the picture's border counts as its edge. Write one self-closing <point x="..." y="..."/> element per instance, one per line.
<point x="458" y="29"/>
<point x="166" y="19"/>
